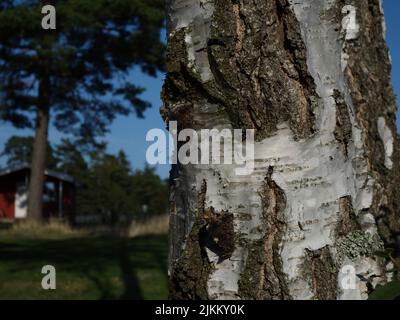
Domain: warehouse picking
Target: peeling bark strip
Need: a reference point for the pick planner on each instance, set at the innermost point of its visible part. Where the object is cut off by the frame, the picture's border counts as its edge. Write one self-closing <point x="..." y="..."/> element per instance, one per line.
<point x="313" y="79"/>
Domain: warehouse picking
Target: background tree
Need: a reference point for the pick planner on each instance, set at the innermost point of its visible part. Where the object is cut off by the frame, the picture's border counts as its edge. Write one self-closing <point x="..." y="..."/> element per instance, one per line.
<point x="74" y="75"/>
<point x="109" y="183"/>
<point x="312" y="78"/>
<point x="150" y="193"/>
<point x="18" y="151"/>
<point x="105" y="183"/>
<point x="74" y="159"/>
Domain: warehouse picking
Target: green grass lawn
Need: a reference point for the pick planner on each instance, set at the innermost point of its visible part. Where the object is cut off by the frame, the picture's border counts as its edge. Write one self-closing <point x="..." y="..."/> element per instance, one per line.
<point x="87" y="268"/>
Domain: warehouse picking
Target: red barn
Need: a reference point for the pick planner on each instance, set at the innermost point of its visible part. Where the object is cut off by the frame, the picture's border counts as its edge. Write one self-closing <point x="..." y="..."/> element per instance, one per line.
<point x="58" y="197"/>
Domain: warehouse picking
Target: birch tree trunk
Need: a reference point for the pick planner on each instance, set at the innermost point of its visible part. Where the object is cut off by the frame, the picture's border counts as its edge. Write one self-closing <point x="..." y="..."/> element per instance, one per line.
<point x="312" y="78"/>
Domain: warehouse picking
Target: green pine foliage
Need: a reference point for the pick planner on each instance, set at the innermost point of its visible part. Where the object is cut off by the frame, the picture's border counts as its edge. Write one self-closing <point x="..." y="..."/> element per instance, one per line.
<point x="18" y="151"/>
<point x="82" y="65"/>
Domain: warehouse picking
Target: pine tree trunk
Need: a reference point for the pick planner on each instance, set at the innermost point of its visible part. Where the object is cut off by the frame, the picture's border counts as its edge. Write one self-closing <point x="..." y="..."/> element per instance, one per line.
<point x="312" y="78"/>
<point x="38" y="166"/>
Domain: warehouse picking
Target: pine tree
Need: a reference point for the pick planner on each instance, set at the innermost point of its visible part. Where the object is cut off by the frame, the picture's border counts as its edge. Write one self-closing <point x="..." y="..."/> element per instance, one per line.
<point x="75" y="75"/>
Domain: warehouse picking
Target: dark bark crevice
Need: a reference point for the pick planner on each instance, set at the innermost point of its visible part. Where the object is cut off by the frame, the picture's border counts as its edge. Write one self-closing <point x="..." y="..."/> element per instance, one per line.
<point x="263" y="277"/>
<point x="320" y="268"/>
<point x="263" y="56"/>
<point x="190" y="271"/>
<point x="211" y="230"/>
<point x="347" y="218"/>
<point x="343" y="130"/>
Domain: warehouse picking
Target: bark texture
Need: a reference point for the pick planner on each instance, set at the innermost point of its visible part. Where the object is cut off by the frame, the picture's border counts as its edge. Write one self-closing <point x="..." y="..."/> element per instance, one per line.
<point x="312" y="78"/>
<point x="36" y="181"/>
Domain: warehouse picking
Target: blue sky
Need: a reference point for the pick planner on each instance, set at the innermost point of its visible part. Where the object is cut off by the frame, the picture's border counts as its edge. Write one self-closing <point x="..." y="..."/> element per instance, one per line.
<point x="129" y="133"/>
<point x="392" y="14"/>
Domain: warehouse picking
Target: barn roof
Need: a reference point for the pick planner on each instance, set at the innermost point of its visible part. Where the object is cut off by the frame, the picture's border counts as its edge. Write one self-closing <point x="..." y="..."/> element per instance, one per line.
<point x="50" y="173"/>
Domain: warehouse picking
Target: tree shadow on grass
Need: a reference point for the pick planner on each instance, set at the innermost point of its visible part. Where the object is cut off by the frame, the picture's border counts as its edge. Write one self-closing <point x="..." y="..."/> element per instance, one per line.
<point x="99" y="260"/>
<point x="129" y="278"/>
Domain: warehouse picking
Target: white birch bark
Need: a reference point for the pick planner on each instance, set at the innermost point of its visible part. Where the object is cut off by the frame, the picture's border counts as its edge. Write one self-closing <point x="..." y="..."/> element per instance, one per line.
<point x="312" y="78"/>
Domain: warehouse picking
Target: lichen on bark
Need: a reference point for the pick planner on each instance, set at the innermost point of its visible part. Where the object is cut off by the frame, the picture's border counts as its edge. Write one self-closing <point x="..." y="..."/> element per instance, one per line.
<point x="356" y="244"/>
